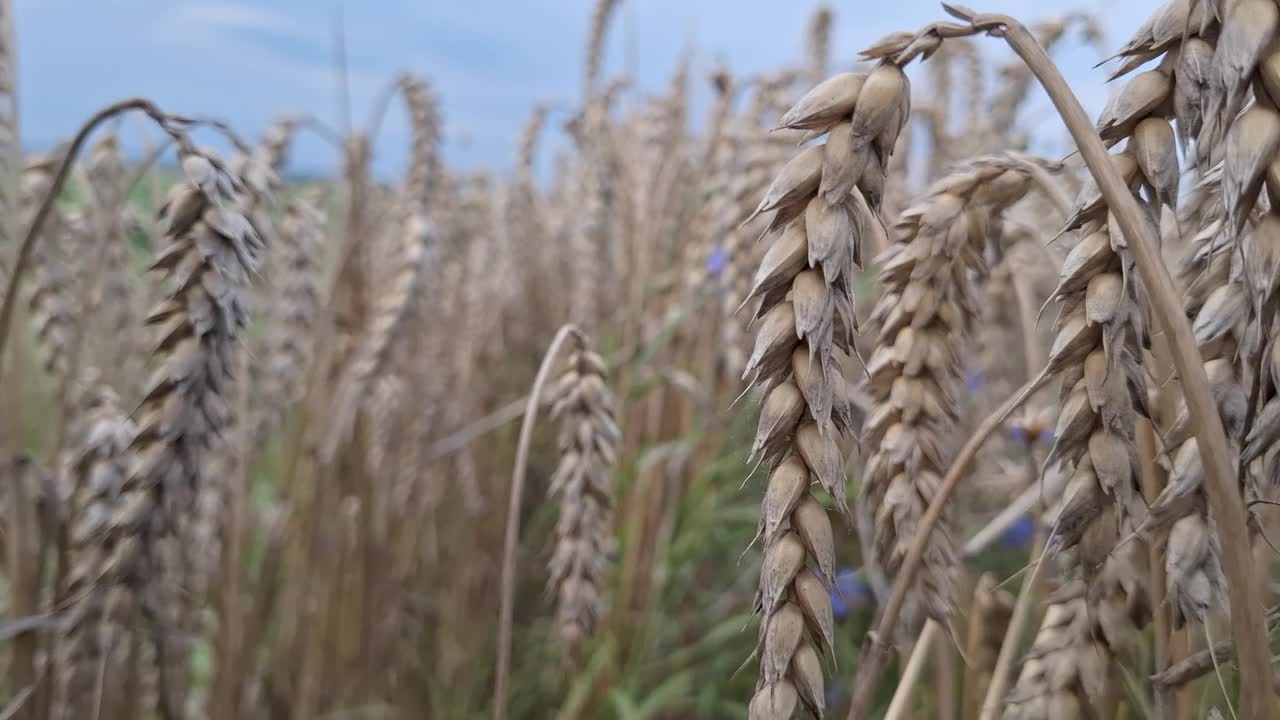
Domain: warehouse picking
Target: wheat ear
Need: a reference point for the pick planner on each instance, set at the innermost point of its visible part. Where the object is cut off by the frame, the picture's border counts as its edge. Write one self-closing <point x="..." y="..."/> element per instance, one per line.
<point x="923" y="318"/>
<point x="823" y="203"/>
<point x="582" y="483"/>
<point x="95" y="637"/>
<point x="210" y="252"/>
<point x="502" y="675"/>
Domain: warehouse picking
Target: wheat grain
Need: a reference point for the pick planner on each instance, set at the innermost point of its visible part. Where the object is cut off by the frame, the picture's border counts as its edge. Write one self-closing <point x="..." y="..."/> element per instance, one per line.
<point x="1087" y="626"/>
<point x="1100" y="335"/>
<point x="1216" y="301"/>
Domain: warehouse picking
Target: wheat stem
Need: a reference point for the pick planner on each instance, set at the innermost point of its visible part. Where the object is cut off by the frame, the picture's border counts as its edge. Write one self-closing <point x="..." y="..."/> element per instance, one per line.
<point x="980" y="541"/>
<point x="1009" y="648"/>
<point x="900" y="705"/>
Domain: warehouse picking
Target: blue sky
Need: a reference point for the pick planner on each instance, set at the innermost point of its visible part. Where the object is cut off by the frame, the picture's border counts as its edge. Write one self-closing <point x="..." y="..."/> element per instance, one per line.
<point x="489" y="60"/>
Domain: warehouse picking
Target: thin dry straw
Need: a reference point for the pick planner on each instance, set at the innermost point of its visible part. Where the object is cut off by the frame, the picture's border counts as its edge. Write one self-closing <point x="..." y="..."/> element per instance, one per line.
<point x="502" y="675"/>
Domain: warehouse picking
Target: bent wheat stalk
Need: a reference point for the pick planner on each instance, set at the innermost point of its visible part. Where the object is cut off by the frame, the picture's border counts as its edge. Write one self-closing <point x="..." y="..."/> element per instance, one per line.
<point x="46" y="207"/>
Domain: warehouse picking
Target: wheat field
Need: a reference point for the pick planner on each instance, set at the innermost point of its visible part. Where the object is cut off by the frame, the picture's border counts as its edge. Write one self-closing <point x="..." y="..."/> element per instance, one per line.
<point x="830" y="397"/>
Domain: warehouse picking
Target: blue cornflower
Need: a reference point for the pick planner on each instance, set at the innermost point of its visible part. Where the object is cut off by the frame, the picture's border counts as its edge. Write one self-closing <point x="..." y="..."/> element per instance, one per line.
<point x="835" y="695"/>
<point x="1018" y="535"/>
<point x="974" y="380"/>
<point x="717" y="261"/>
<point x="850" y="593"/>
<point x="1017" y="433"/>
<point x="1046" y="434"/>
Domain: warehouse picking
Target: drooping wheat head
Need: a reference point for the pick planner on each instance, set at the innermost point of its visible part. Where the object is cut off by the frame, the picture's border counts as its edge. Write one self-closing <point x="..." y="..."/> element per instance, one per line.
<point x="1189" y="84"/>
<point x="210" y="252"/>
<point x="583" y="487"/>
